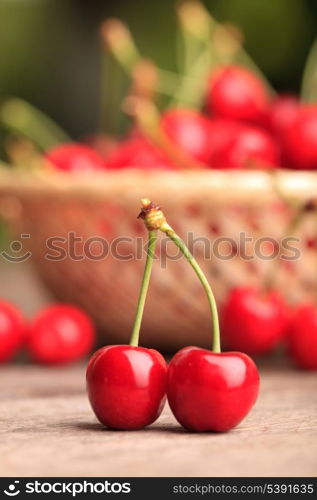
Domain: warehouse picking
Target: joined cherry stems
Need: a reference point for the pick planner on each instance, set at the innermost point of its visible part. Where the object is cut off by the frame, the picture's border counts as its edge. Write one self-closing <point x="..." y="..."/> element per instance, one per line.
<point x="154" y="220"/>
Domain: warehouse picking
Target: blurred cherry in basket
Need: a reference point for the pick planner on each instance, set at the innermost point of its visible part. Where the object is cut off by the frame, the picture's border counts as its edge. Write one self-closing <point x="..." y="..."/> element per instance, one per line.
<point x="138" y="152"/>
<point x="282" y="113"/>
<point x="248" y="147"/>
<point x="237" y="93"/>
<point x="221" y="132"/>
<point x="300" y="141"/>
<point x="73" y="157"/>
<point x="189" y="130"/>
<point x="281" y="116"/>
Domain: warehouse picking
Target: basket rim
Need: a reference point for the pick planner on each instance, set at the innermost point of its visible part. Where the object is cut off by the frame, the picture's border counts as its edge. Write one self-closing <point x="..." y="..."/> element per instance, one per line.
<point x="296" y="185"/>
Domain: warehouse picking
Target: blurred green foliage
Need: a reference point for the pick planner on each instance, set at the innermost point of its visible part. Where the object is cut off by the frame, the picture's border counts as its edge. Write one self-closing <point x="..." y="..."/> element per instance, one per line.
<point x="51" y="55"/>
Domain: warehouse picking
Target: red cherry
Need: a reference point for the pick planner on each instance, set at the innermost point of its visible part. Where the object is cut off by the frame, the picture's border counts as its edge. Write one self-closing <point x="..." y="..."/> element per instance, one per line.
<point x="137" y="152"/>
<point x="12" y="331"/>
<point x="234" y="92"/>
<point x="300" y="140"/>
<point x="248" y="147"/>
<point x="221" y="132"/>
<point x="126" y="386"/>
<point x="189" y="130"/>
<point x="73" y="157"/>
<point x="302" y="337"/>
<point x="253" y="322"/>
<point x="282" y="113"/>
<point x="60" y="334"/>
<point x="210" y="391"/>
<point x="281" y="116"/>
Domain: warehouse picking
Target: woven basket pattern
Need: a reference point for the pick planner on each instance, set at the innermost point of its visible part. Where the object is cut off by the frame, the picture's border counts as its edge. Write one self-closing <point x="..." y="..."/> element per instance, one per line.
<point x="209" y="204"/>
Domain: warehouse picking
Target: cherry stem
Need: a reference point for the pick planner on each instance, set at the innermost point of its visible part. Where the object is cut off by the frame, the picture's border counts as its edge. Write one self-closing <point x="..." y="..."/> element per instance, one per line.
<point x="120" y="43"/>
<point x="134" y="340"/>
<point x="165" y="228"/>
<point x="194" y="28"/>
<point x="154" y="219"/>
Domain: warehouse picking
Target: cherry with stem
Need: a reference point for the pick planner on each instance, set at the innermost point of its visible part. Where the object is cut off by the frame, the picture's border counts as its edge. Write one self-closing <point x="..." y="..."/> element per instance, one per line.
<point x="207" y="390"/>
<point x="126" y="383"/>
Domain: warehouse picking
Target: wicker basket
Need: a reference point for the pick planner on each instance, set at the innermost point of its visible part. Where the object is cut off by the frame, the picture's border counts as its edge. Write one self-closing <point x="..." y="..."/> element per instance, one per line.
<point x="211" y="204"/>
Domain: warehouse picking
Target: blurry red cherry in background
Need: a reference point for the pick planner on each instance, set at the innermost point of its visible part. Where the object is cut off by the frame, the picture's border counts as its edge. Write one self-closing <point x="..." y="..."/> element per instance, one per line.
<point x="12" y="331"/>
<point x="60" y="334"/>
<point x="282" y="113"/>
<point x="253" y="322"/>
<point x="302" y="337"/>
<point x="221" y="131"/>
<point x="237" y="93"/>
<point x="189" y="130"/>
<point x="300" y="140"/>
<point x="74" y="157"/>
<point x="248" y="147"/>
<point x="138" y="152"/>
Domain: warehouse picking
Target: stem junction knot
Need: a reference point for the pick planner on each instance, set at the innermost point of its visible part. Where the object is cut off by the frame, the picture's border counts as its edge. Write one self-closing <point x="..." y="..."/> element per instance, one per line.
<point x="152" y="215"/>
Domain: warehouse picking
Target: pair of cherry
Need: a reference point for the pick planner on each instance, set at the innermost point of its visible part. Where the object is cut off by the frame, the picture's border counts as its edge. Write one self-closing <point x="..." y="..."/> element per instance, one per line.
<point x="206" y="390"/>
<point x="57" y="334"/>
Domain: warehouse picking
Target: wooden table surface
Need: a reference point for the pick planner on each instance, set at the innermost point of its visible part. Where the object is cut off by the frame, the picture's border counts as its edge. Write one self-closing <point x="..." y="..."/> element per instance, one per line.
<point x="48" y="429"/>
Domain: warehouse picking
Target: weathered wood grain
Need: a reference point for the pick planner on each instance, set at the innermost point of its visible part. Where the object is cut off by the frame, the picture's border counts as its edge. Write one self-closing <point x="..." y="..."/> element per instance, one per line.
<point x="48" y="429"/>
